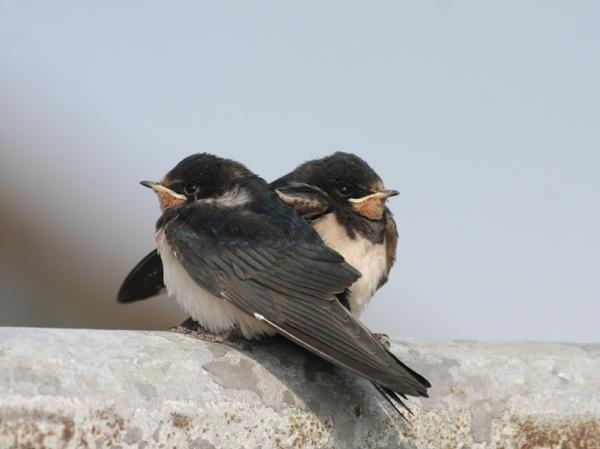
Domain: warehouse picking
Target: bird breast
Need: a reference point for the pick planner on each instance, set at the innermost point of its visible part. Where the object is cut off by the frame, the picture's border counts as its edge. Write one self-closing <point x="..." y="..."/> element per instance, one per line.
<point x="366" y="256"/>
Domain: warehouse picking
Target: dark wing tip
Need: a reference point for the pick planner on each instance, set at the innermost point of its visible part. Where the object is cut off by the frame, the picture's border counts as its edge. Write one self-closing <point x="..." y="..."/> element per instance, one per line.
<point x="126" y="297"/>
<point x="424" y="383"/>
<point x="143" y="281"/>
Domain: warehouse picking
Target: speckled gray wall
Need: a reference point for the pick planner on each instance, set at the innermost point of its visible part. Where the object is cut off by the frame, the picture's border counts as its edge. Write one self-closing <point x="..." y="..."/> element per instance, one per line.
<point x="66" y="389"/>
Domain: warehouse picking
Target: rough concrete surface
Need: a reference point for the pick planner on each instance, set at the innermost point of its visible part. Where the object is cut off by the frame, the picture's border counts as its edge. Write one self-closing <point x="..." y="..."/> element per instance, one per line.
<point x="62" y="388"/>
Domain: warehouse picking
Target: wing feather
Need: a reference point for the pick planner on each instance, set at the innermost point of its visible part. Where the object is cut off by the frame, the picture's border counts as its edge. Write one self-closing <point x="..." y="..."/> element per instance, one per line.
<point x="143" y="281"/>
<point x="291" y="284"/>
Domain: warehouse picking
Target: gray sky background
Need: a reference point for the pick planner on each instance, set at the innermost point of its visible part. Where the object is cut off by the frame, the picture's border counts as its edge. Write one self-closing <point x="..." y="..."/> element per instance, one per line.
<point x="486" y="116"/>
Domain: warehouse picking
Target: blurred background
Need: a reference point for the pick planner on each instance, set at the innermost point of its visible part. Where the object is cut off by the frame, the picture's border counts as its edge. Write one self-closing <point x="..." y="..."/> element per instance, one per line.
<point x="486" y="116"/>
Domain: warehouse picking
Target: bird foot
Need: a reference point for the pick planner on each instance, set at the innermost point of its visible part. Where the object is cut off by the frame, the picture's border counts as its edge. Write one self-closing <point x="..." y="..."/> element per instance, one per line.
<point x="384" y="339"/>
<point x="194" y="329"/>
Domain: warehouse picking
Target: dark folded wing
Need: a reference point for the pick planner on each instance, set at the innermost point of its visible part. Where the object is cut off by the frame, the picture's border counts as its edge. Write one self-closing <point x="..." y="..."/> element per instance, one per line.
<point x="143" y="281"/>
<point x="291" y="285"/>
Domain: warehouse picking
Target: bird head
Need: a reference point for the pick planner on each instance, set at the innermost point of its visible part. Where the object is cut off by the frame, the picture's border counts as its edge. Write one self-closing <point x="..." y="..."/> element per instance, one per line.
<point x="202" y="177"/>
<point x="350" y="184"/>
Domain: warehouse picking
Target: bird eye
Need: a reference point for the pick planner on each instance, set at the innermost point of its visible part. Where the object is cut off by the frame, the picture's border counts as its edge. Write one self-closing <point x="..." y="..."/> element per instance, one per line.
<point x="344" y="190"/>
<point x="190" y="189"/>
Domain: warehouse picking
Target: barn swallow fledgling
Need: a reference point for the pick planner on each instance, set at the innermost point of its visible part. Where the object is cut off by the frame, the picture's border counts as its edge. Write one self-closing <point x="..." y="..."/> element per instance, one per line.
<point x="238" y="259"/>
<point x="344" y="199"/>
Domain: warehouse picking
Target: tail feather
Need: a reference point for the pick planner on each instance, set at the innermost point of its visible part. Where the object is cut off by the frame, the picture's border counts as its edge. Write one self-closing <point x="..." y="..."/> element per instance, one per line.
<point x="395" y="401"/>
<point x="422" y="380"/>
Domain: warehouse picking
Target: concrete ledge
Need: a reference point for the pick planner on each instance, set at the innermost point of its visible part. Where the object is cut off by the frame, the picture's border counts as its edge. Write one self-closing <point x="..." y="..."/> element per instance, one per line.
<point x="125" y="389"/>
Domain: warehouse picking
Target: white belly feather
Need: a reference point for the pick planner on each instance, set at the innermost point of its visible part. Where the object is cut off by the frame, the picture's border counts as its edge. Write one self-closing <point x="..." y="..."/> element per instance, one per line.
<point x="213" y="313"/>
<point x="367" y="257"/>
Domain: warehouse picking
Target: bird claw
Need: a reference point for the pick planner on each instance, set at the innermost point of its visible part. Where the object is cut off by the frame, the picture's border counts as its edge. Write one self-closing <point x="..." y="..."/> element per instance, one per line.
<point x="194" y="329"/>
<point x="205" y="336"/>
<point x="384" y="339"/>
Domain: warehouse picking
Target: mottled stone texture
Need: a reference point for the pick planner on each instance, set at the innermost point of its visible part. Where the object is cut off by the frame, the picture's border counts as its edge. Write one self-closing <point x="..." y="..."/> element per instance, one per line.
<point x="123" y="389"/>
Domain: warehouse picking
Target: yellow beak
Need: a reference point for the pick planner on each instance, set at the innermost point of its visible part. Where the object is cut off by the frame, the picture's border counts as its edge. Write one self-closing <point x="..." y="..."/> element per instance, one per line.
<point x="384" y="194"/>
<point x="159" y="188"/>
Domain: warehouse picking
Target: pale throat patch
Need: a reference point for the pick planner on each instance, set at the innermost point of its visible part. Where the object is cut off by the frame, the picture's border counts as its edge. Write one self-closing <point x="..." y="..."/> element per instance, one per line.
<point x="167" y="201"/>
<point x="371" y="208"/>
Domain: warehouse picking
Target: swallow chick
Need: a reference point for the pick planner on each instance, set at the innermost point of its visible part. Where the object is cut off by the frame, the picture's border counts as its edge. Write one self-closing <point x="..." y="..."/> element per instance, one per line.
<point x="344" y="199"/>
<point x="239" y="260"/>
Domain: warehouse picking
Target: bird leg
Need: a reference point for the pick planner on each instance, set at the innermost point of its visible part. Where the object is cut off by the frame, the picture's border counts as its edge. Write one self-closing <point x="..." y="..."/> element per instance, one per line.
<point x="384" y="339"/>
<point x="193" y="328"/>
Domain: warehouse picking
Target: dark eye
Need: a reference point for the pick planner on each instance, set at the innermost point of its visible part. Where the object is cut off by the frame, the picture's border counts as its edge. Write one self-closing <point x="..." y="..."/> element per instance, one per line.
<point x="344" y="190"/>
<point x="190" y="189"/>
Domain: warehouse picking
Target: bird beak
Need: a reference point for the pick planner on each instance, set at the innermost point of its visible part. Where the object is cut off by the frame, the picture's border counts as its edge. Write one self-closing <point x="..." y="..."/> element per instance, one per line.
<point x="159" y="188"/>
<point x="381" y="195"/>
<point x="372" y="206"/>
